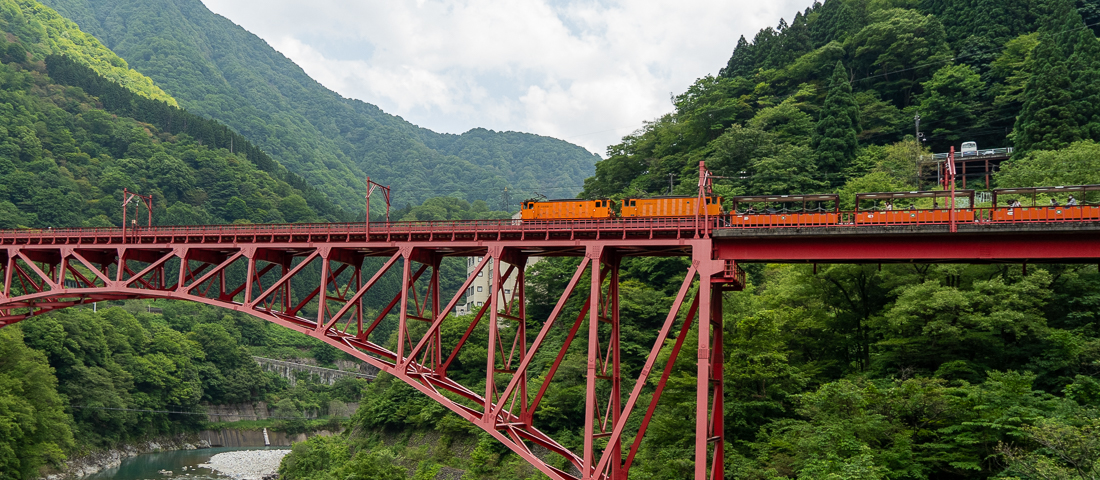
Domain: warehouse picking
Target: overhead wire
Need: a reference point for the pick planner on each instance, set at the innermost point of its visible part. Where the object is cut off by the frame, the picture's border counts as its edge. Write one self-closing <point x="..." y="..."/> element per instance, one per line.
<point x="85" y="407"/>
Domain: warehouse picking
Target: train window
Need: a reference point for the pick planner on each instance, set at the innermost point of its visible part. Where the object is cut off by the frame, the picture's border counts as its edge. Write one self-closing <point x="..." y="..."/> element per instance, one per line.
<point x="633" y="203"/>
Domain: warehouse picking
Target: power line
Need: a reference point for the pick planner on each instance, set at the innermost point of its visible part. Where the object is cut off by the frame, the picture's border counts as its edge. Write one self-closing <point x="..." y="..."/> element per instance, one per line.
<point x="85" y="407"/>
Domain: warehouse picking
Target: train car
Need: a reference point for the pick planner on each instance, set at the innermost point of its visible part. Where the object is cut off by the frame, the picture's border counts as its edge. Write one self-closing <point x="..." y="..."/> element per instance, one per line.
<point x="760" y="211"/>
<point x="1014" y="210"/>
<point x="899" y="208"/>
<point x="669" y="207"/>
<point x="566" y="209"/>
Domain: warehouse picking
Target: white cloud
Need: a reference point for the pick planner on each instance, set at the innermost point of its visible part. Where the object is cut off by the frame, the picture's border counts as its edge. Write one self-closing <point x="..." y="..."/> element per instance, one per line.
<point x="587" y="71"/>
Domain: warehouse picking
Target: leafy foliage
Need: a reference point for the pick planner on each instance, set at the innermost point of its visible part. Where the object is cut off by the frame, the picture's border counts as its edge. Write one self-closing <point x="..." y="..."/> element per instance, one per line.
<point x="34" y="430"/>
<point x="40" y="31"/>
<point x="834" y="138"/>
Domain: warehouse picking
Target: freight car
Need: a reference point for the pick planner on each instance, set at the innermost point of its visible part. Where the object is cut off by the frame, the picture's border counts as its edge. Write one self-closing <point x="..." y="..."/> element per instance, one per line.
<point x="670" y="207"/>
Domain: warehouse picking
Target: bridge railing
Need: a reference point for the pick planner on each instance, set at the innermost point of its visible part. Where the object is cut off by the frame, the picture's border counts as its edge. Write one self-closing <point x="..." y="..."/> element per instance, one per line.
<point x="941" y="216"/>
<point x="375" y="228"/>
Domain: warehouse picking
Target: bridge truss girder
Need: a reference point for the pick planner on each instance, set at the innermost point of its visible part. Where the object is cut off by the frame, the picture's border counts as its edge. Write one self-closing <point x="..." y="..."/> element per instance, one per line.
<point x="257" y="279"/>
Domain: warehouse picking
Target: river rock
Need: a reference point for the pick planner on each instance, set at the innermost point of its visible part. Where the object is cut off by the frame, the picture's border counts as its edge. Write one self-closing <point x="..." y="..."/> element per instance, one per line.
<point x="247" y="464"/>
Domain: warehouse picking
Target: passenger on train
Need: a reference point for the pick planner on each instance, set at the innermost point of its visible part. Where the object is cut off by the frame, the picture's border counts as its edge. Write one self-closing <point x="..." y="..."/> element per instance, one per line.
<point x="1015" y="204"/>
<point x="889" y="206"/>
<point x="1072" y="202"/>
<point x="1053" y="202"/>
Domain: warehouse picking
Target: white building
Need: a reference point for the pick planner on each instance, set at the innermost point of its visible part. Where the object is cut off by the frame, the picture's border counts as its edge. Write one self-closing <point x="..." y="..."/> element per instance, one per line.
<point x="478" y="294"/>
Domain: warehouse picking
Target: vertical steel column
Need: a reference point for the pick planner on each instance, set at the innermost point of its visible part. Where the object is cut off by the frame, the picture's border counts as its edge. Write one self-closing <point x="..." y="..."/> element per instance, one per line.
<point x="221" y="283"/>
<point x="491" y="361"/>
<point x="8" y="273"/>
<point x="359" y="301"/>
<point x="521" y="281"/>
<point x="702" y="387"/>
<point x="437" y="340"/>
<point x="251" y="256"/>
<point x="61" y="271"/>
<point x="616" y="366"/>
<point x="403" y="315"/>
<point x="717" y="361"/>
<point x="595" y="254"/>
<point x="286" y="285"/>
<point x="322" y="298"/>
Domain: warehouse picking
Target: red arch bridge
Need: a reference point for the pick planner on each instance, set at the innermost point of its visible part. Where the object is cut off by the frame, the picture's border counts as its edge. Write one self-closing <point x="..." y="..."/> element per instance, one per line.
<point x="252" y="268"/>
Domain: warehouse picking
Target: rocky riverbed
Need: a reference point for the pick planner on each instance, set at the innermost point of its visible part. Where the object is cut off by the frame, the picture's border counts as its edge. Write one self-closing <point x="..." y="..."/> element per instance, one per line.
<point x="246" y="464"/>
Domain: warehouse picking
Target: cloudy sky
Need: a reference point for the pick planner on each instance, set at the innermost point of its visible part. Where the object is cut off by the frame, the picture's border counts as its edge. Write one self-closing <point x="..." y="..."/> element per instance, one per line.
<point x="586" y="71"/>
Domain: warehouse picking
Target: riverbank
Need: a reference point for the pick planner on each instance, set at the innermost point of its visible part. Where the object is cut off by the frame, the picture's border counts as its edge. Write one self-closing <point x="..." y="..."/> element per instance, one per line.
<point x="80" y="466"/>
<point x="87" y="464"/>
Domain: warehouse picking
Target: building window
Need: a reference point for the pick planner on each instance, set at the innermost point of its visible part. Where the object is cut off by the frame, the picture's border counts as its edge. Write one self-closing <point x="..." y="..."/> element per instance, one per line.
<point x="481" y="274"/>
<point x="480" y="303"/>
<point x="479" y="288"/>
<point x="507" y="291"/>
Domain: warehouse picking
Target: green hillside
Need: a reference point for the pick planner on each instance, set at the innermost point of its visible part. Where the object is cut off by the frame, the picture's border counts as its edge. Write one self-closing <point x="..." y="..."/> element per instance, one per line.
<point x="832" y="95"/>
<point x="41" y="31"/>
<point x="66" y="155"/>
<point x="216" y="68"/>
<point x="71" y="140"/>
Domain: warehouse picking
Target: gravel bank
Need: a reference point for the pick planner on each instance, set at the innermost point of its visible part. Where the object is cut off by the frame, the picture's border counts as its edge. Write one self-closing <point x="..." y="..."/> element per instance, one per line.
<point x="247" y="464"/>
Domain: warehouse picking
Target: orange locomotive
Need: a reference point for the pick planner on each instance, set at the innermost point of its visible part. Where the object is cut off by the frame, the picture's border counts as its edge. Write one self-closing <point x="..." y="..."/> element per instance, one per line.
<point x="566" y="209"/>
<point x="670" y="207"/>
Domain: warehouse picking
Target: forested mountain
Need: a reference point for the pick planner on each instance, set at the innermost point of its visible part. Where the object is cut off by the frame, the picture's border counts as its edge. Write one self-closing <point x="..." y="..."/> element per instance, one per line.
<point x="808" y="105"/>
<point x="838" y="371"/>
<point x="71" y="139"/>
<point x="216" y="68"/>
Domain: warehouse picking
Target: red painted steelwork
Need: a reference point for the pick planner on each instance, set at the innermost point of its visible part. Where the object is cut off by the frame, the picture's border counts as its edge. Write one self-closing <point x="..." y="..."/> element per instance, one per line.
<point x="252" y="270"/>
<point x="903" y="245"/>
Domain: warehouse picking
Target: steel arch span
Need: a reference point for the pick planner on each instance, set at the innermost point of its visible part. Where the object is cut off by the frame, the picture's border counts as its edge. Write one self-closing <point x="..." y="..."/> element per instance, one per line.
<point x="335" y="278"/>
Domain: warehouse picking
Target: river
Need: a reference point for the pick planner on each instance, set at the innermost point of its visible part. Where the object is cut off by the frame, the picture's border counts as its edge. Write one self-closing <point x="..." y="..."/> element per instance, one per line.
<point x="149" y="465"/>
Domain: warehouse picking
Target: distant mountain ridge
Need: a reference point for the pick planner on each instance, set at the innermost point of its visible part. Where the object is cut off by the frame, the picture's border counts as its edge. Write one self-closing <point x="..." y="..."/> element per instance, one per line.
<point x="214" y="67"/>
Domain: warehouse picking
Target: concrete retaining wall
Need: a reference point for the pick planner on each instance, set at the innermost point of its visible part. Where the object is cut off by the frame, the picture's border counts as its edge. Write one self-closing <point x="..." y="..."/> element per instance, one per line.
<point x="291" y="369"/>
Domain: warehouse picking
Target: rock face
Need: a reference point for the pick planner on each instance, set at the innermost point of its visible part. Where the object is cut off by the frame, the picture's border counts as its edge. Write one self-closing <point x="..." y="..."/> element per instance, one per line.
<point x="291" y="369"/>
<point x="260" y="411"/>
<point x="254" y="438"/>
<point x="91" y="463"/>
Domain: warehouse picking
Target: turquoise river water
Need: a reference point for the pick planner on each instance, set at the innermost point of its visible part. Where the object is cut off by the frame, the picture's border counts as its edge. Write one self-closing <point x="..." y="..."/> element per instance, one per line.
<point x="150" y="465"/>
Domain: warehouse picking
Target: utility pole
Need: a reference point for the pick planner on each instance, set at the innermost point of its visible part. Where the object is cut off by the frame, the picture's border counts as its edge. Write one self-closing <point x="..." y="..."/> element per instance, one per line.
<point x="505" y="200"/>
<point x="670" y="177"/>
<point x="916" y="138"/>
<point x="371" y="187"/>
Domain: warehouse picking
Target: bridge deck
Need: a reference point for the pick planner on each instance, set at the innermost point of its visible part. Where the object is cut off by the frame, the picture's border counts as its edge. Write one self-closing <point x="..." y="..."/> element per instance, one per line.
<point x="1053" y="242"/>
